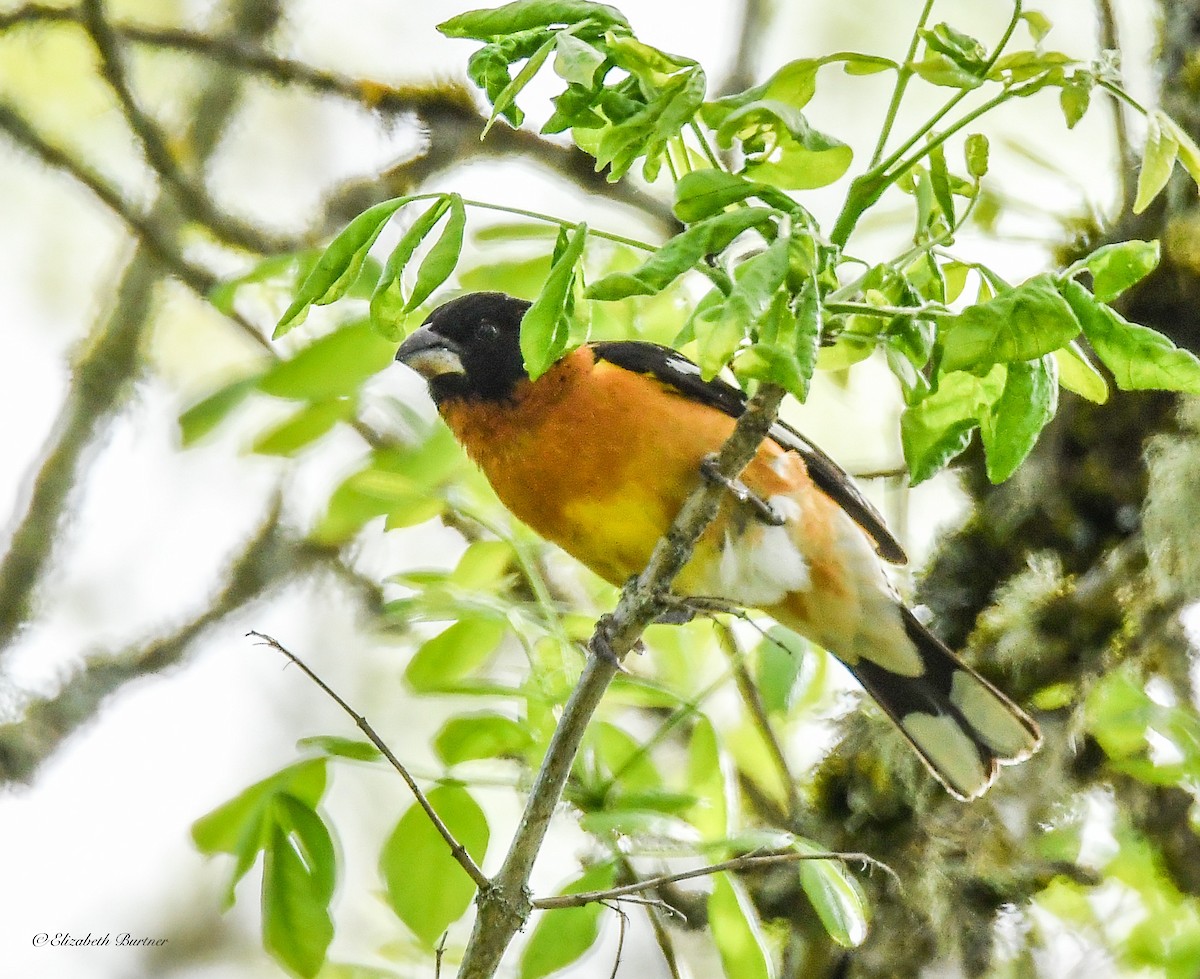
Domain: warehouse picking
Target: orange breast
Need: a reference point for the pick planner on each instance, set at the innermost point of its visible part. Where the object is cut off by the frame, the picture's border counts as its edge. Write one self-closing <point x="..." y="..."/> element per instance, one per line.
<point x="597" y="459"/>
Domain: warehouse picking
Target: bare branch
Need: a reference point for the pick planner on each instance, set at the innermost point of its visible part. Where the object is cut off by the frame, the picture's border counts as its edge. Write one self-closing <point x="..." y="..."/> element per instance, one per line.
<point x="109" y="361"/>
<point x="457" y="850"/>
<point x="756" y="18"/>
<point x="192" y="198"/>
<point x="267" y="558"/>
<point x="752" y="861"/>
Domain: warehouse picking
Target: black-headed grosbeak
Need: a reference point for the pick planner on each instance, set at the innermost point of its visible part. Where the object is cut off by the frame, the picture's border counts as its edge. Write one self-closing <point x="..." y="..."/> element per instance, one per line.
<point x="598" y="455"/>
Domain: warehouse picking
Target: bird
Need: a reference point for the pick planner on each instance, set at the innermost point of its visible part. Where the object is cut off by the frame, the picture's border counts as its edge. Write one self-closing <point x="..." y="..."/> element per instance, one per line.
<point x="598" y="454"/>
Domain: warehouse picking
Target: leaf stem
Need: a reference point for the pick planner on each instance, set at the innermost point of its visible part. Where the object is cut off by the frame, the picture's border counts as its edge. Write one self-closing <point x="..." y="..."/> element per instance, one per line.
<point x="903" y="76"/>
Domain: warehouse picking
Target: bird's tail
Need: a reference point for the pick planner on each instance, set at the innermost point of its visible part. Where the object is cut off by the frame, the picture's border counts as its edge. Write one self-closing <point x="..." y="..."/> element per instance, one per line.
<point x="961" y="725"/>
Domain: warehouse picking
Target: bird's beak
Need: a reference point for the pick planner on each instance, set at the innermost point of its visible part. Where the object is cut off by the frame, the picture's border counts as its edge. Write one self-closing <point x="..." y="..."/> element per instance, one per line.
<point x="430" y="354"/>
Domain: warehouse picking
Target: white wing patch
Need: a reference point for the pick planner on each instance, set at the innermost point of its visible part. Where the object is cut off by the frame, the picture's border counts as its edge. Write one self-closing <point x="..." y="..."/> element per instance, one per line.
<point x="761" y="565"/>
<point x="949" y="752"/>
<point x="992" y="718"/>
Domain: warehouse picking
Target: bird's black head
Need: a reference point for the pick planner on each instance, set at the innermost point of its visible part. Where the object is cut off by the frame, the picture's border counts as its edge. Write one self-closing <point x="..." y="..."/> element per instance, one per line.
<point x="469" y="348"/>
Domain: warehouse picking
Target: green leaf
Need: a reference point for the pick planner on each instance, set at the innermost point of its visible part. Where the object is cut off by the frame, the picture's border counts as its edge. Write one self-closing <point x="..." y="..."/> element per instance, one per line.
<point x="388" y="305"/>
<point x="1010" y="429"/>
<point x="1076" y="373"/>
<point x="338" y="747"/>
<point x="483" y="565"/>
<point x="681" y="253"/>
<point x="758" y="279"/>
<point x="311" y="839"/>
<point x="442" y="257"/>
<point x="235" y="824"/>
<point x="522" y="278"/>
<point x="960" y="48"/>
<point x="338" y="267"/>
<point x="646" y="132"/>
<point x="300" y="263"/>
<point x="836" y="897"/>
<point x="243" y="825"/>
<point x="333" y="366"/>
<point x="1158" y="160"/>
<point x="702" y="193"/>
<point x="786" y="351"/>
<point x="736" y="931"/>
<point x="449" y="658"/>
<point x="1140" y="359"/>
<point x="544" y="330"/>
<point x="303" y="428"/>
<point x="204" y="416"/>
<point x="395" y="481"/>
<point x="706" y="781"/>
<point x="297" y="928"/>
<point x="524" y="15"/>
<point x="1038" y="23"/>
<point x="1021" y="324"/>
<point x="562" y="935"/>
<point x="1116" y="267"/>
<point x="1189" y="153"/>
<point x="939" y="177"/>
<point x="939" y="427"/>
<point x="975" y="150"/>
<point x="481" y="735"/>
<point x="780" y="670"/>
<point x="425" y="886"/>
<point x="1075" y="96"/>
<point x="575" y="60"/>
<point x="782" y="148"/>
<point x="940" y="69"/>
<point x="506" y="98"/>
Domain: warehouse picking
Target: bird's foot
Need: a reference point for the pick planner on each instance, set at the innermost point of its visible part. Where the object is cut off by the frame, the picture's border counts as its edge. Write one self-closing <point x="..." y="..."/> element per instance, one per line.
<point x="601" y="643"/>
<point x="741" y="492"/>
<point x="681" y="609"/>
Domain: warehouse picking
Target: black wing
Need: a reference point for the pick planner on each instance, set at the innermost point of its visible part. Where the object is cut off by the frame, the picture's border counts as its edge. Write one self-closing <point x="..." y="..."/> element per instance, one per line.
<point x="672" y="368"/>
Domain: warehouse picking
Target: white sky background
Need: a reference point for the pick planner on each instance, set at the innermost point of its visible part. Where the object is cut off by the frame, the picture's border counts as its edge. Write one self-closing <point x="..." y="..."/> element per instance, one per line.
<point x="100" y="843"/>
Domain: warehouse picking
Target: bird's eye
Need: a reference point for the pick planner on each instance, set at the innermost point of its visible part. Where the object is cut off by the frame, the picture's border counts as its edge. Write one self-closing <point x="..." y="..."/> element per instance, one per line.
<point x="488" y="330"/>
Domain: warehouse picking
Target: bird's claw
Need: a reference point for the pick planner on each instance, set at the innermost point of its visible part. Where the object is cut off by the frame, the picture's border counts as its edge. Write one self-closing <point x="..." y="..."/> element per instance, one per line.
<point x="601" y="643"/>
<point x="741" y="492"/>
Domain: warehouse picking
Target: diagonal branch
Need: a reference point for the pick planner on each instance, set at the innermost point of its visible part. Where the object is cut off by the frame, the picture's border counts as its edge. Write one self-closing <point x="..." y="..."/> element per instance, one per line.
<point x="191" y="198"/>
<point x="266" y="558"/>
<point x="457" y="850"/>
<point x="504" y="907"/>
<point x="152" y="231"/>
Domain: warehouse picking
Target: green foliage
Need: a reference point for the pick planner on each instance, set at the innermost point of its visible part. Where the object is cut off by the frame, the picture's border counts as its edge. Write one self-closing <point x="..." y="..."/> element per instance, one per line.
<point x="563" y="935"/>
<point x="426" y="887"/>
<point x="278" y="818"/>
<point x="784" y="299"/>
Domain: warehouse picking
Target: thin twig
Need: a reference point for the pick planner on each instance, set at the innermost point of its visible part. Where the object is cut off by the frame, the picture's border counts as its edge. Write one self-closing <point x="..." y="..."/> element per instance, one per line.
<point x="753" y="861"/>
<point x="1110" y="40"/>
<point x="457" y="850"/>
<point x="623" y="918"/>
<point x="758" y="712"/>
<point x="662" y="938"/>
